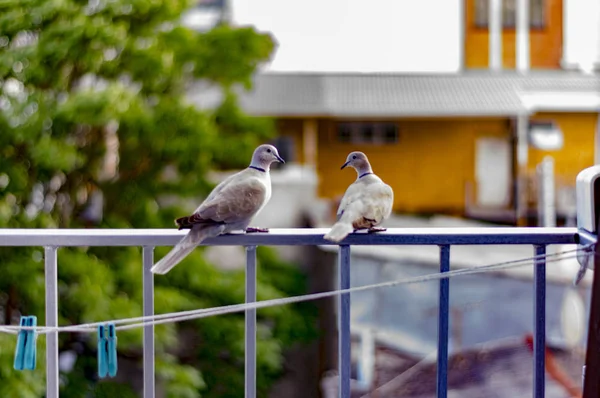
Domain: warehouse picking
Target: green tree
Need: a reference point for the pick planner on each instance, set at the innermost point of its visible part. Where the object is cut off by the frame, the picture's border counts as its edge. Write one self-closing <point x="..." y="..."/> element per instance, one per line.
<point x="93" y="116"/>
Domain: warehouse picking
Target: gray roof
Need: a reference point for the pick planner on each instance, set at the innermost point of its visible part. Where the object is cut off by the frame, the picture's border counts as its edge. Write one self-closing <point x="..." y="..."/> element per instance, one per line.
<point x="498" y="370"/>
<point x="477" y="93"/>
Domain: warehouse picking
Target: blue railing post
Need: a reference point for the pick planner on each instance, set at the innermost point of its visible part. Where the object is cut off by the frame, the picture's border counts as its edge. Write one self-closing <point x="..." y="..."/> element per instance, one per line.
<point x="539" y="322"/>
<point x="443" y="320"/>
<point x="591" y="370"/>
<point x="344" y="342"/>
<point x="148" y="299"/>
<point x="250" y="353"/>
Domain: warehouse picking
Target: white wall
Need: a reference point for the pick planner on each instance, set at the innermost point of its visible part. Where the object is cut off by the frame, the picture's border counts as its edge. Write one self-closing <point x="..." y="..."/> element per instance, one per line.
<point x="359" y="36"/>
<point x="581" y="43"/>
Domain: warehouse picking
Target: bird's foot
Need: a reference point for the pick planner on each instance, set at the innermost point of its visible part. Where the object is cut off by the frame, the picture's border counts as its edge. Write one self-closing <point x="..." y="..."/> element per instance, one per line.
<point x="250" y="230"/>
<point x="375" y="229"/>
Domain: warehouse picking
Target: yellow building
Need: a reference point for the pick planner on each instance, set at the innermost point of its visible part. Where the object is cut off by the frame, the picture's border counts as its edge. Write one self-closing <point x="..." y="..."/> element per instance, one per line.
<point x="445" y="143"/>
<point x="449" y="143"/>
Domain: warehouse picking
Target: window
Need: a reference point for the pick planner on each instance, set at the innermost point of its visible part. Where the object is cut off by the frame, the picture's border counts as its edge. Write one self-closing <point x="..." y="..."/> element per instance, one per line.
<point x="367" y="133"/>
<point x="509" y="14"/>
<point x="345" y="132"/>
<point x="285" y="147"/>
<point x="210" y="4"/>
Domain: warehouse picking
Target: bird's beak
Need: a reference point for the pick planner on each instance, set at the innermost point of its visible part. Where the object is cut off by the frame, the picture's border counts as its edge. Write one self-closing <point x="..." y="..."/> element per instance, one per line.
<point x="280" y="159"/>
<point x="344" y="165"/>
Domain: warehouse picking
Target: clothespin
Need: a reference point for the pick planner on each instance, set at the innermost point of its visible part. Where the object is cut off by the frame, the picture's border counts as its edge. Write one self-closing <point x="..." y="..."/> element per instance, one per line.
<point x="107" y="350"/>
<point x="25" y="353"/>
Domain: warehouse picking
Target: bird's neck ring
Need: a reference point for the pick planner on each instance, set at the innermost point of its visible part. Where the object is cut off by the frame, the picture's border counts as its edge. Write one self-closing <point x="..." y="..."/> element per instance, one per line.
<point x="365" y="174"/>
<point x="257" y="168"/>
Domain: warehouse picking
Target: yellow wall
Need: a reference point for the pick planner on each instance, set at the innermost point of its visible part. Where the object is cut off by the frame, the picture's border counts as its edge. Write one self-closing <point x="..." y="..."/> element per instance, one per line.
<point x="428" y="168"/>
<point x="578" y="150"/>
<point x="434" y="158"/>
<point x="545" y="43"/>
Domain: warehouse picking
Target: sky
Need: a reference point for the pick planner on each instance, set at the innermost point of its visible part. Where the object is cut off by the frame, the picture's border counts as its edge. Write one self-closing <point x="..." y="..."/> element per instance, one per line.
<point x="389" y="35"/>
<point x="358" y="36"/>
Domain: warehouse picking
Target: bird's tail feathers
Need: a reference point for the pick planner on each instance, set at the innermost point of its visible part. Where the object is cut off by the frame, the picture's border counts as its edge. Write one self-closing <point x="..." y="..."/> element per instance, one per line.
<point x="339" y="231"/>
<point x="181" y="249"/>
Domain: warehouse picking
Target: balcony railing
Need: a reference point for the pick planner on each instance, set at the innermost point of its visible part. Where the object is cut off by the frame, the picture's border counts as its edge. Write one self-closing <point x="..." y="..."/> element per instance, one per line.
<point x="148" y="239"/>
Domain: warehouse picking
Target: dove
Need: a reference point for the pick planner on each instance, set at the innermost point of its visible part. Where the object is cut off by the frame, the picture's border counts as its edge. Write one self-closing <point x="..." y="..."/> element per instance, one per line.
<point x="229" y="207"/>
<point x="366" y="203"/>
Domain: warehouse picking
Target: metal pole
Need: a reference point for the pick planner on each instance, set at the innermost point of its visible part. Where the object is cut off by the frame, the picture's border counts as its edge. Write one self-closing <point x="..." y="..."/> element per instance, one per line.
<point x="51" y="275"/>
<point x="250" y="373"/>
<point x="539" y="323"/>
<point x="443" y="321"/>
<point x="148" y="293"/>
<point x="591" y="380"/>
<point x="344" y="342"/>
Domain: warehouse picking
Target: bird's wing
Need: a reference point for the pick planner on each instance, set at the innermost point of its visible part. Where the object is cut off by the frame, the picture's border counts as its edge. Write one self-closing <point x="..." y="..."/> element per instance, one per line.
<point x="237" y="200"/>
<point x="216" y="190"/>
<point x="352" y="194"/>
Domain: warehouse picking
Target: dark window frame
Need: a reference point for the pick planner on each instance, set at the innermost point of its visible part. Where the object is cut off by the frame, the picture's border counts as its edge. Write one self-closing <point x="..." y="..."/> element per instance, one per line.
<point x="367" y="133"/>
<point x="537" y="14"/>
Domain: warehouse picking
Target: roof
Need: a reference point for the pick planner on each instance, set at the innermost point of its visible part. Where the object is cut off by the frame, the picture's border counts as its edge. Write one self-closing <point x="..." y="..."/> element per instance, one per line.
<point x="472" y="93"/>
<point x="498" y="370"/>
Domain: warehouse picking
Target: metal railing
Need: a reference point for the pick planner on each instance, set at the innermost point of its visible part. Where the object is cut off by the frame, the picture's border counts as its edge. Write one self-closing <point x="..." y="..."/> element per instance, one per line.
<point x="539" y="238"/>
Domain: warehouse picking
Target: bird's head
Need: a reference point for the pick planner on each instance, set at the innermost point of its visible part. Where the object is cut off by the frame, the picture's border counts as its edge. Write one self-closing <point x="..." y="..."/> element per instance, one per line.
<point x="358" y="161"/>
<point x="264" y="155"/>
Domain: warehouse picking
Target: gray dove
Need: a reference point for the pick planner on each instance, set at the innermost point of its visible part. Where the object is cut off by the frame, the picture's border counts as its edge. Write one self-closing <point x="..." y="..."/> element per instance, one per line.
<point x="366" y="203"/>
<point x="229" y="207"/>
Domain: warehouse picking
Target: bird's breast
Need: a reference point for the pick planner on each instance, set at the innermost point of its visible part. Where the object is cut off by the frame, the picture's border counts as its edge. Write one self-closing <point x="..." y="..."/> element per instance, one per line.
<point x="267" y="184"/>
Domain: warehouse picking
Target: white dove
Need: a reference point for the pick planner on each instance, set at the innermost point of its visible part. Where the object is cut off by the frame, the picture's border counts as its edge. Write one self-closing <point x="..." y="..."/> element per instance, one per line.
<point x="366" y="203"/>
<point x="229" y="207"/>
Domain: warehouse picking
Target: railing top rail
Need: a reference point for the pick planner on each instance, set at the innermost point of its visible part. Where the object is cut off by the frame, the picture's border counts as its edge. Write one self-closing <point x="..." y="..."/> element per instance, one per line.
<point x="290" y="237"/>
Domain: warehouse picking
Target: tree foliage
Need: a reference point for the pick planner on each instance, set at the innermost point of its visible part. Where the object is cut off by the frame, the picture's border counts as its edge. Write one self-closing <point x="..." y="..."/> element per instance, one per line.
<point x="96" y="131"/>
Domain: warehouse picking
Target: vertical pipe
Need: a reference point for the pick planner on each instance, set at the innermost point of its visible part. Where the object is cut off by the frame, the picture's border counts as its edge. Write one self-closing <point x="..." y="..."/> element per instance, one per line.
<point x="148" y="296"/>
<point x="443" y="321"/>
<point x="495" y="35"/>
<point x="539" y="323"/>
<point x="250" y="372"/>
<point x="522" y="161"/>
<point x="522" y="28"/>
<point x="546" y="193"/>
<point x="344" y="343"/>
<point x="51" y="274"/>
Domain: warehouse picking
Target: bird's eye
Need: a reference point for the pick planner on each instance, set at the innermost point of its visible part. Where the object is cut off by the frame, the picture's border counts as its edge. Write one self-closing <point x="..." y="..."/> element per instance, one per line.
<point x="354" y="157"/>
<point x="268" y="150"/>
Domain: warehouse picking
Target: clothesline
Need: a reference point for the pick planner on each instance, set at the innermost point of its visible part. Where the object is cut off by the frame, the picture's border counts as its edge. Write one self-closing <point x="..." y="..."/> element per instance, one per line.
<point x="137" y="322"/>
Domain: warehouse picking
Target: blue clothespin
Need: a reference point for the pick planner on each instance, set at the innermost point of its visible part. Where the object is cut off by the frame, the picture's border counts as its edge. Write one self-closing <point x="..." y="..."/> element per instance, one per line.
<point x="107" y="350"/>
<point x="25" y="353"/>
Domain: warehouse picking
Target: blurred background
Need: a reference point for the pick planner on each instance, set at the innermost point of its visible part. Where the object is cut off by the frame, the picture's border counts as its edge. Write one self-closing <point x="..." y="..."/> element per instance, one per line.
<point x="125" y="113"/>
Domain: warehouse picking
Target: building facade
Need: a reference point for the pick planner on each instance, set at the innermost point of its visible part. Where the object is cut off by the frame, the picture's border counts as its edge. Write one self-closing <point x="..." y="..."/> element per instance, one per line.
<point x="462" y="141"/>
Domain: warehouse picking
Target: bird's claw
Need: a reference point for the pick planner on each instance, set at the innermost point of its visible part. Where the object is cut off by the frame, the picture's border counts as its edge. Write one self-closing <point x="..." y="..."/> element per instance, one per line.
<point x="250" y="230"/>
<point x="376" y="229"/>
